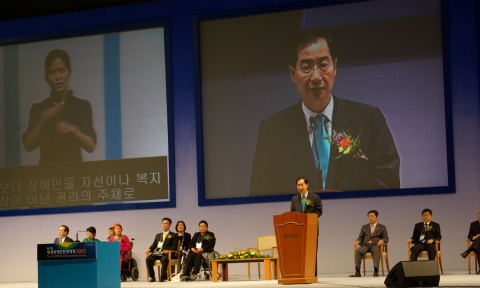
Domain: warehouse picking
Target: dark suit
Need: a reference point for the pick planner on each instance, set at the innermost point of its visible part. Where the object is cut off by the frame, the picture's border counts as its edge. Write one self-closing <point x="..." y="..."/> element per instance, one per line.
<point x="315" y="207"/>
<point x="284" y="152"/>
<point x="472" y="232"/>
<point x="195" y="259"/>
<point x="170" y="243"/>
<point x="58" y="240"/>
<point x="380" y="233"/>
<point x="433" y="232"/>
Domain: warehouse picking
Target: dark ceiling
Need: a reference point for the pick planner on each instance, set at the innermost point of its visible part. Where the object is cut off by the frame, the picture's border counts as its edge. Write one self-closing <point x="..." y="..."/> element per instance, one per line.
<point x="17" y="9"/>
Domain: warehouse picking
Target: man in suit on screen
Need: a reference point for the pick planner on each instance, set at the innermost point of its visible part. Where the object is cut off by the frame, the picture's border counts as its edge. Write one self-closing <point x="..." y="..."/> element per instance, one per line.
<point x="62" y="235"/>
<point x="370" y="239"/>
<point x="305" y="202"/>
<point x="424" y="236"/>
<point x="338" y="144"/>
<point x="474" y="236"/>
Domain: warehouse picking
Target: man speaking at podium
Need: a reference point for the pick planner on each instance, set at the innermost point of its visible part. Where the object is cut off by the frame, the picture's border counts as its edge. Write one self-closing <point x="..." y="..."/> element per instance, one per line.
<point x="306" y="203"/>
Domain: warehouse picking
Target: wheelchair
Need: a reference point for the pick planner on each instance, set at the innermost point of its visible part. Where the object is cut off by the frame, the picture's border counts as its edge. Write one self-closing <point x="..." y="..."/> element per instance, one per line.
<point x="206" y="267"/>
<point x="129" y="267"/>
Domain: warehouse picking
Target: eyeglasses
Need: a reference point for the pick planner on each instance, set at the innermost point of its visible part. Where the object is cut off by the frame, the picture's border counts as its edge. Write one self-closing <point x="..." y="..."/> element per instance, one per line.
<point x="307" y="69"/>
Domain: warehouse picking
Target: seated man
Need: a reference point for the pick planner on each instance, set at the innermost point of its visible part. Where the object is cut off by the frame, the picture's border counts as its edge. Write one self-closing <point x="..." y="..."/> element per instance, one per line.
<point x="62" y="235"/>
<point x="202" y="242"/>
<point x="371" y="237"/>
<point x="474" y="236"/>
<point x="164" y="242"/>
<point x="424" y="236"/>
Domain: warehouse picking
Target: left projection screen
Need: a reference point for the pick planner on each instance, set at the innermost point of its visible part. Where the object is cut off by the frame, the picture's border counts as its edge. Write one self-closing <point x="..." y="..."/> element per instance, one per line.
<point x="86" y="124"/>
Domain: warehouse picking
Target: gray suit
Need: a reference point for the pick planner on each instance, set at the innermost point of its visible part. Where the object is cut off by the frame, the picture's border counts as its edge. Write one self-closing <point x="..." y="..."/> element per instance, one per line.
<point x="380" y="233"/>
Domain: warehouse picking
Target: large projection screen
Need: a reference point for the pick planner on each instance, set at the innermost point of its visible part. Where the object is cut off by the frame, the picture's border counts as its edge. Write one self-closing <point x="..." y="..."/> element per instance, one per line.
<point x="117" y="96"/>
<point x="390" y="56"/>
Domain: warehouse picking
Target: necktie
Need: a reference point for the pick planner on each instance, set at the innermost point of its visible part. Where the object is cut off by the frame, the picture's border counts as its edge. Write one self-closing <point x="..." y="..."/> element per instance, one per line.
<point x="164" y="236"/>
<point x="303" y="203"/>
<point x="372" y="228"/>
<point x="321" y="146"/>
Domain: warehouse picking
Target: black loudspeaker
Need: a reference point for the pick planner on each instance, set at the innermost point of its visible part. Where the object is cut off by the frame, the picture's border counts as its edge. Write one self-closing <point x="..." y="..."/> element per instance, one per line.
<point x="413" y="274"/>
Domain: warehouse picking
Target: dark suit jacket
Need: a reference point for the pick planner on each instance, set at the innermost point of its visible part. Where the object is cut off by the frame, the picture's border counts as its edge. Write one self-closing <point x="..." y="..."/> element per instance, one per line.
<point x="434" y="233"/>
<point x="67" y="239"/>
<point x="169" y="244"/>
<point x="283" y="152"/>
<point x="380" y="233"/>
<point x="316" y="206"/>
<point x="208" y="241"/>
<point x="474" y="230"/>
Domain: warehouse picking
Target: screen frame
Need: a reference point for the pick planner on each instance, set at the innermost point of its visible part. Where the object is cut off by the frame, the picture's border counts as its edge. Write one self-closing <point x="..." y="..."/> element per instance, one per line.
<point x="203" y="201"/>
<point x="49" y="30"/>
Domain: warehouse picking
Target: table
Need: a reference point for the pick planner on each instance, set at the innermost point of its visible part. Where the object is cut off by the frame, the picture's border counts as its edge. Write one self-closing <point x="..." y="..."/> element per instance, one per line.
<point x="225" y="262"/>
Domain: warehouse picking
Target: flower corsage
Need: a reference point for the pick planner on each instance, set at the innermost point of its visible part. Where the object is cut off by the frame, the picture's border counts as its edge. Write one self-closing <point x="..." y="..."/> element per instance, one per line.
<point x="346" y="145"/>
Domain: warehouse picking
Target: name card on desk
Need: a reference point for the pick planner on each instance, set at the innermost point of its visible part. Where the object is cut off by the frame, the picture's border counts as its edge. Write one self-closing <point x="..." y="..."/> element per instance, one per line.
<point x="67" y="251"/>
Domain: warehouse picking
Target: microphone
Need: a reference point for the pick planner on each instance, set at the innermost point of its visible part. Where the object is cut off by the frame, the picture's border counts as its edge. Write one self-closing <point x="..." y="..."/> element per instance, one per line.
<point x="77" y="235"/>
<point x="313" y="124"/>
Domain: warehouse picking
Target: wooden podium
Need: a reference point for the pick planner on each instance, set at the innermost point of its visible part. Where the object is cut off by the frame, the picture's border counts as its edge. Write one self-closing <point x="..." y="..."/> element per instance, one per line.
<point x="297" y="247"/>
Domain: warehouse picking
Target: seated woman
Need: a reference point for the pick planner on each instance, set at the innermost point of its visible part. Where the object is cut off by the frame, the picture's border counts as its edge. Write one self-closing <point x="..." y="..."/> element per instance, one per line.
<point x="110" y="232"/>
<point x="202" y="242"/>
<point x="184" y="239"/>
<point x="91" y="232"/>
<point x="125" y="245"/>
<point x="183" y="236"/>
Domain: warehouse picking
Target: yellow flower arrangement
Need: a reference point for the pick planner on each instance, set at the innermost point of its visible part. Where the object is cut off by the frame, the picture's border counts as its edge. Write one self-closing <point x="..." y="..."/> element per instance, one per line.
<point x="243" y="254"/>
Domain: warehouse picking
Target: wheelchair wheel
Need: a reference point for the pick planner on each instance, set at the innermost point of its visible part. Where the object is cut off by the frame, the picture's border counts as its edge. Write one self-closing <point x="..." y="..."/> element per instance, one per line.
<point x="134" y="273"/>
<point x="124" y="278"/>
<point x="214" y="255"/>
<point x="207" y="275"/>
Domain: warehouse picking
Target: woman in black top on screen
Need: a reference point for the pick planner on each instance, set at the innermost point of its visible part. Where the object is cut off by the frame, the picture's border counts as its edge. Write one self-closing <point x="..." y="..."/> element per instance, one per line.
<point x="61" y="125"/>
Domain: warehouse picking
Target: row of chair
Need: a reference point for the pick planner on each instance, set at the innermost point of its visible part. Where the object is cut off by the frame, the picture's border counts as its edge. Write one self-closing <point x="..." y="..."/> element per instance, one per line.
<point x="424" y="254"/>
<point x="175" y="260"/>
<point x="269" y="243"/>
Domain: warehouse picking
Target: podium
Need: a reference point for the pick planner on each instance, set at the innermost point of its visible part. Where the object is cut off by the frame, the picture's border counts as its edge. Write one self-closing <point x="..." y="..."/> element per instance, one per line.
<point x="79" y="265"/>
<point x="296" y="236"/>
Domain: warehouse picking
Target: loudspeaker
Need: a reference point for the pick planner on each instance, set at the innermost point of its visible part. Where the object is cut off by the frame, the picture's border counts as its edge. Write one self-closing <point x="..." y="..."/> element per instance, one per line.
<point x="413" y="274"/>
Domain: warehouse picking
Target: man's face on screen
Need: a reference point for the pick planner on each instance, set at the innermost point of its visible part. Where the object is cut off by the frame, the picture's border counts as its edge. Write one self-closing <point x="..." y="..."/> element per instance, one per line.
<point x="314" y="74"/>
<point x="58" y="76"/>
<point x="302" y="187"/>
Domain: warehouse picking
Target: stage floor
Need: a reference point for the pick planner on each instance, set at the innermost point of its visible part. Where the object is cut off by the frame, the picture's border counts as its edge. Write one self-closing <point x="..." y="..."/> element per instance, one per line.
<point x="449" y="279"/>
